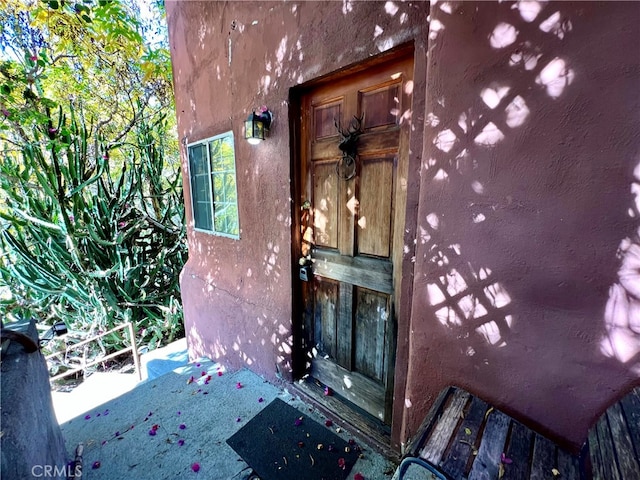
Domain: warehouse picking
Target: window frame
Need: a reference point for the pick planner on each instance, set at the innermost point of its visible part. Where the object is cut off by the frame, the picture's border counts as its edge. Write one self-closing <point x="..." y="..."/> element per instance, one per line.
<point x="206" y="142"/>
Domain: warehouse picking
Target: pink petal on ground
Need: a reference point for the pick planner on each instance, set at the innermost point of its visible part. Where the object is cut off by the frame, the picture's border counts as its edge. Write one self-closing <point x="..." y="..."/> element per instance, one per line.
<point x="195" y="467"/>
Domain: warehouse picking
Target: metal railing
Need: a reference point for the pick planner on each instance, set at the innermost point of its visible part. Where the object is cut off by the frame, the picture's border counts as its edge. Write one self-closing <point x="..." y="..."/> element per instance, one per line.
<point x="133" y="349"/>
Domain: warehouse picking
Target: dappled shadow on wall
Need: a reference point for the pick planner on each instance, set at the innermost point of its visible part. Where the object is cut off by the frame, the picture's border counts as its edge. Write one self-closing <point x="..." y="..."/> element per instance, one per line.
<point x="622" y="313"/>
<point x="463" y="291"/>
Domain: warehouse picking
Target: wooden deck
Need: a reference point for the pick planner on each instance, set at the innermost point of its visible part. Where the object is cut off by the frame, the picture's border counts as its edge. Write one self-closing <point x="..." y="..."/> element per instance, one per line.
<point x="614" y="442"/>
<point x="466" y="438"/>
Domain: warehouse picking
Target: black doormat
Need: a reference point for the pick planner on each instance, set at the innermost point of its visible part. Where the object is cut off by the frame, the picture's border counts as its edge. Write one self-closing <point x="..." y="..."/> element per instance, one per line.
<point x="282" y="443"/>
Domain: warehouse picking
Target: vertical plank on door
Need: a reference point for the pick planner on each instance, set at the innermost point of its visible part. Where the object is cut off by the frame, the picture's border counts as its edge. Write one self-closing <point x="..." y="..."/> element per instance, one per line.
<point x="325" y="212"/>
<point x="326" y="301"/>
<point x="372" y="315"/>
<point x="374" y="218"/>
<point x="345" y="326"/>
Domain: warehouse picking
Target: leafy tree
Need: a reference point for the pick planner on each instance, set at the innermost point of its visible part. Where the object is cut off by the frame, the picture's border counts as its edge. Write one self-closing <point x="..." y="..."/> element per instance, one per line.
<point x="91" y="211"/>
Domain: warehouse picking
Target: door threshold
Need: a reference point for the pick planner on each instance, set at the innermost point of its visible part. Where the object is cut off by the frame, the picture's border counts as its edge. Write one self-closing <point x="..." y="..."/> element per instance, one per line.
<point x="362" y="425"/>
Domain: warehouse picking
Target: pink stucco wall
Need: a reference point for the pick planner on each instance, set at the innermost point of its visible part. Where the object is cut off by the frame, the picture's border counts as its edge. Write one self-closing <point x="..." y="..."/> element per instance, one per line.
<point x="527" y="203"/>
<point x="525" y="271"/>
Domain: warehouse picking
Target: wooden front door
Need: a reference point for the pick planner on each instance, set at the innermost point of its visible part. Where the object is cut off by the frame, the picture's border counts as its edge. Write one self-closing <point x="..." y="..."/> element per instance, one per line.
<point x="351" y="230"/>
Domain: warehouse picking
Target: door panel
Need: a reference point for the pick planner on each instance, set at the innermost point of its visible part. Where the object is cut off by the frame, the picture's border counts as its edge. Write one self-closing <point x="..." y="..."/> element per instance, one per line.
<point x="372" y="314"/>
<point x="350" y="230"/>
<point x="325" y="218"/>
<point x="374" y="216"/>
<point x="325" y="315"/>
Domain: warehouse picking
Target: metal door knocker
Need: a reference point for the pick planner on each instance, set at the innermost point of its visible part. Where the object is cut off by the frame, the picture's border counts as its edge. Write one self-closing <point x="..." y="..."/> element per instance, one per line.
<point x="346" y="166"/>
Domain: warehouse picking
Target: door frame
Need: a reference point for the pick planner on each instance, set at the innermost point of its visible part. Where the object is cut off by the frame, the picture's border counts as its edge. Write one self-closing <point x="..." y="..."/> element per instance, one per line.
<point x="403" y="276"/>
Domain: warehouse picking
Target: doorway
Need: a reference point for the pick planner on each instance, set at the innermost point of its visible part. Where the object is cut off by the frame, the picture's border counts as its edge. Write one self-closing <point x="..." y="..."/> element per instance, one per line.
<point x="348" y="229"/>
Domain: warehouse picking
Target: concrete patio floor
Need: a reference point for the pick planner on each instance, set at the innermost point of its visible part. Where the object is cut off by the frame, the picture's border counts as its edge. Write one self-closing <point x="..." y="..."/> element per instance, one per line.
<point x="193" y="418"/>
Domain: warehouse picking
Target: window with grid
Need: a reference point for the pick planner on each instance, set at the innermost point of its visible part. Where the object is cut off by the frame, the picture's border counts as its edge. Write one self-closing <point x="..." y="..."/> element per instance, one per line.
<point x="214" y="197"/>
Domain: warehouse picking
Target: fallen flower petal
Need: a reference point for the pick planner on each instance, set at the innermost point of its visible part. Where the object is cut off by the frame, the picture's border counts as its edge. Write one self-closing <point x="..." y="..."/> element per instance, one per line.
<point x="181" y="442"/>
<point x="195" y="467"/>
<point x="298" y="422"/>
<point x="87" y="417"/>
<point x="341" y="463"/>
<point x="260" y="400"/>
<point x="182" y="426"/>
<point x="198" y="365"/>
<point x="152" y="432"/>
<point x="95" y="465"/>
<point x="238" y="385"/>
<point x="328" y="423"/>
<point x="506" y="460"/>
<point x="191" y="379"/>
<point x="203" y="373"/>
<point x="358" y="476"/>
<point x="238" y="419"/>
<point x="219" y="374"/>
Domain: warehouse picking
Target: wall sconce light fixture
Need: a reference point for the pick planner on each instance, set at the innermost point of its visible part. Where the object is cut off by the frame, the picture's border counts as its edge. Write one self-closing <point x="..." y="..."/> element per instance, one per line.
<point x="256" y="127"/>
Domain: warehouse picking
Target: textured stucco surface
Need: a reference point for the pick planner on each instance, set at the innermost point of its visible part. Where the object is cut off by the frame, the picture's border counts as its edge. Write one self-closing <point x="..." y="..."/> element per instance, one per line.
<point x="520" y="221"/>
<point x="522" y="191"/>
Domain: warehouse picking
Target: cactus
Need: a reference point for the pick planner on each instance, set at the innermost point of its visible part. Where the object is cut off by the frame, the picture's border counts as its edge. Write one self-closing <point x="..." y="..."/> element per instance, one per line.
<point x="92" y="234"/>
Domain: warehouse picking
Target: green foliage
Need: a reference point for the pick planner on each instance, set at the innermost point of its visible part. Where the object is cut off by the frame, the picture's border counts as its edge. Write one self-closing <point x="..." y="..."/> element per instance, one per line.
<point x="91" y="209"/>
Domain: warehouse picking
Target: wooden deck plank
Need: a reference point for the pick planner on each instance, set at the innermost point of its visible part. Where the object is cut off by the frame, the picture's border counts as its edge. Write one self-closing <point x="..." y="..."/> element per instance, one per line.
<point x="414" y="447"/>
<point x="609" y="468"/>
<point x="567" y="465"/>
<point x="486" y="466"/>
<point x="625" y="453"/>
<point x="544" y="461"/>
<point x="631" y="408"/>
<point x="594" y="454"/>
<point x="456" y="459"/>
<point x="519" y="452"/>
<point x="444" y="429"/>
